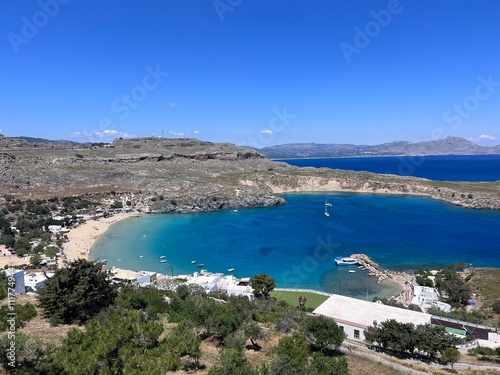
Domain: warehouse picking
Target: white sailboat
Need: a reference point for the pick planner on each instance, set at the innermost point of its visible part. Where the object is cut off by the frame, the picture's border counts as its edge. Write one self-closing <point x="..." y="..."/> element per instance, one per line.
<point x="326" y="207"/>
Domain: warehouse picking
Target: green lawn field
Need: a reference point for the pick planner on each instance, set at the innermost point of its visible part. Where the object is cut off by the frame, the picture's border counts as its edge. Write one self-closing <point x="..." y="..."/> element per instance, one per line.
<point x="313" y="299"/>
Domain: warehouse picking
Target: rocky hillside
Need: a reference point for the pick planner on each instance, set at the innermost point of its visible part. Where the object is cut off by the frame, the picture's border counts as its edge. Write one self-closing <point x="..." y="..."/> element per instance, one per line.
<point x="445" y="146"/>
<point x="187" y="175"/>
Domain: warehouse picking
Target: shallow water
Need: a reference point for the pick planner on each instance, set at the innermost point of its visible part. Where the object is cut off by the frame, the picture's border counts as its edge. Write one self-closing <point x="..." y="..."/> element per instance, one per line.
<point x="296" y="243"/>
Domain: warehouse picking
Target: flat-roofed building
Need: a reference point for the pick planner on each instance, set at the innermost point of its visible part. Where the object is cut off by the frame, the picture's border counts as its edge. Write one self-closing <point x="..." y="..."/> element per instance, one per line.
<point x="355" y="315"/>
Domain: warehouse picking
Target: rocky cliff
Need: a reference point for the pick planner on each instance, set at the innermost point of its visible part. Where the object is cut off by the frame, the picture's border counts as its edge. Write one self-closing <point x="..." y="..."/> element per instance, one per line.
<point x="188" y="175"/>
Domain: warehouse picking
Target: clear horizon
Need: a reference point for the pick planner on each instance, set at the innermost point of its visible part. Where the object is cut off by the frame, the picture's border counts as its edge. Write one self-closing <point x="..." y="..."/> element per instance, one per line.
<point x="251" y="73"/>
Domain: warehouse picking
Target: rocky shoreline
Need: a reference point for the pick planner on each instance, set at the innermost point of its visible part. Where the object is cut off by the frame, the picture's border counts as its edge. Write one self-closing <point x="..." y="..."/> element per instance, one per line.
<point x="187" y="175"/>
<point x="374" y="269"/>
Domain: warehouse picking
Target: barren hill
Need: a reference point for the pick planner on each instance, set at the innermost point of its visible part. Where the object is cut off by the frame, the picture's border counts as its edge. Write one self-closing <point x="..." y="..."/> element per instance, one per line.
<point x="186" y="175"/>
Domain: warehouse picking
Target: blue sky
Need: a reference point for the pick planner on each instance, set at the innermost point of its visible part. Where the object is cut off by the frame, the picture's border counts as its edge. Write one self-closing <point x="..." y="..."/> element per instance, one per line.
<point x="251" y="72"/>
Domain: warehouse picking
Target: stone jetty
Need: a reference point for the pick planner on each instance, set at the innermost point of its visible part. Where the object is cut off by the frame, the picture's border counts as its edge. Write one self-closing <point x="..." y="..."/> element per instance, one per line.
<point x="374" y="268"/>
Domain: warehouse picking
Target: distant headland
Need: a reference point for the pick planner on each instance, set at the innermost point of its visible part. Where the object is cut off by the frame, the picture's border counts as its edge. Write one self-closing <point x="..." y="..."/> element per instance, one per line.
<point x="445" y="146"/>
<point x="168" y="175"/>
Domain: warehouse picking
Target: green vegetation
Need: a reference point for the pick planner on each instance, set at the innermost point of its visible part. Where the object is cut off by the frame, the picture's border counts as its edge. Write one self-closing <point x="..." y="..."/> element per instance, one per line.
<point x="449" y="283"/>
<point x="292" y="298"/>
<point x="486" y="354"/>
<point x="85" y="289"/>
<point x="262" y="285"/>
<point x="24" y="312"/>
<point x="323" y="333"/>
<point x="473" y="317"/>
<point x="152" y="331"/>
<point x="408" y="338"/>
<point x="450" y="355"/>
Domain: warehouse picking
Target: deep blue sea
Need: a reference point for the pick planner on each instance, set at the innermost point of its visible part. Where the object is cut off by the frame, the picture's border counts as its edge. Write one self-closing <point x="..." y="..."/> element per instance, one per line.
<point x="296" y="243"/>
<point x="441" y="168"/>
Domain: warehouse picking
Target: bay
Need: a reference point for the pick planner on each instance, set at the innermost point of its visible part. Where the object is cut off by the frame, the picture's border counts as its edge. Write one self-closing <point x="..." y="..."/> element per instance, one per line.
<point x="296" y="243"/>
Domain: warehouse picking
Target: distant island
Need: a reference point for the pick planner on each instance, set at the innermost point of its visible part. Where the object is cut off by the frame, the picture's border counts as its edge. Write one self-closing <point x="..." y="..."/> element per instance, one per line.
<point x="445" y="146"/>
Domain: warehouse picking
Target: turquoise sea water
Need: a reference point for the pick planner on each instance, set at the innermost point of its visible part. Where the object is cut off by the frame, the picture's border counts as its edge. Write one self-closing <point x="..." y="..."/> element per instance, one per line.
<point x="296" y="243"/>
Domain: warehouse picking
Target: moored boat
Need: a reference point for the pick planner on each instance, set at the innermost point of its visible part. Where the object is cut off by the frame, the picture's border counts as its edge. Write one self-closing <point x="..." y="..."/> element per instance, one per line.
<point x="345" y="261"/>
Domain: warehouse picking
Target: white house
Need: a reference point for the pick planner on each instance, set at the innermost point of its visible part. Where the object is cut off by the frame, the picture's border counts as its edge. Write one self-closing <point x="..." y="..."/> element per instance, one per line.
<point x="54" y="228"/>
<point x="144" y="278"/>
<point x="35" y="280"/>
<point x="207" y="280"/>
<point x="354" y="315"/>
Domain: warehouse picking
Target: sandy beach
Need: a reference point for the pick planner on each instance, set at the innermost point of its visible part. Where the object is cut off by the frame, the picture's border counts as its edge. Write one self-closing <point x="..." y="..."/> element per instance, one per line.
<point x="83" y="237"/>
<point x="81" y="240"/>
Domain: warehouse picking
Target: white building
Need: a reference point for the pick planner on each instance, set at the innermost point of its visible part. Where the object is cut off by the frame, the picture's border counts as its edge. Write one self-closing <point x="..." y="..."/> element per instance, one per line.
<point x="35" y="280"/>
<point x="54" y="228"/>
<point x="354" y="315"/>
<point x="425" y="297"/>
<point x="236" y="287"/>
<point x="143" y="278"/>
<point x="207" y="280"/>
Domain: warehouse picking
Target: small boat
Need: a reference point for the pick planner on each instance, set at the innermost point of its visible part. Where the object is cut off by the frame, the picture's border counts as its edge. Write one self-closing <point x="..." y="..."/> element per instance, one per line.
<point x="234" y="210"/>
<point x="193" y="261"/>
<point x="163" y="261"/>
<point x="230" y="270"/>
<point x="141" y="256"/>
<point x="326" y="208"/>
<point x="162" y="257"/>
<point x="345" y="261"/>
<point x="351" y="271"/>
<point x="119" y="260"/>
<point x="201" y="265"/>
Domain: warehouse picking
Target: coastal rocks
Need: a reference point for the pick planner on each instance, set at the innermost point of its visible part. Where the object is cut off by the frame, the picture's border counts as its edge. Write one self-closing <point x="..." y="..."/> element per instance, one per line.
<point x="194" y="175"/>
<point x="374" y="268"/>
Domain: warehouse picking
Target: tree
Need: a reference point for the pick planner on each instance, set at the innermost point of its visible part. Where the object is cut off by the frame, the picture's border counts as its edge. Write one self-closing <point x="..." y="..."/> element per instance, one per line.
<point x="117" y="341"/>
<point x="77" y="292"/>
<point x="292" y="355"/>
<point x="253" y="332"/>
<point x="22" y="245"/>
<point x="262" y="285"/>
<point x="36" y="260"/>
<point x="450" y="355"/>
<point x="323" y="365"/>
<point x="322" y="332"/>
<point x="452" y="284"/>
<point x="232" y="362"/>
